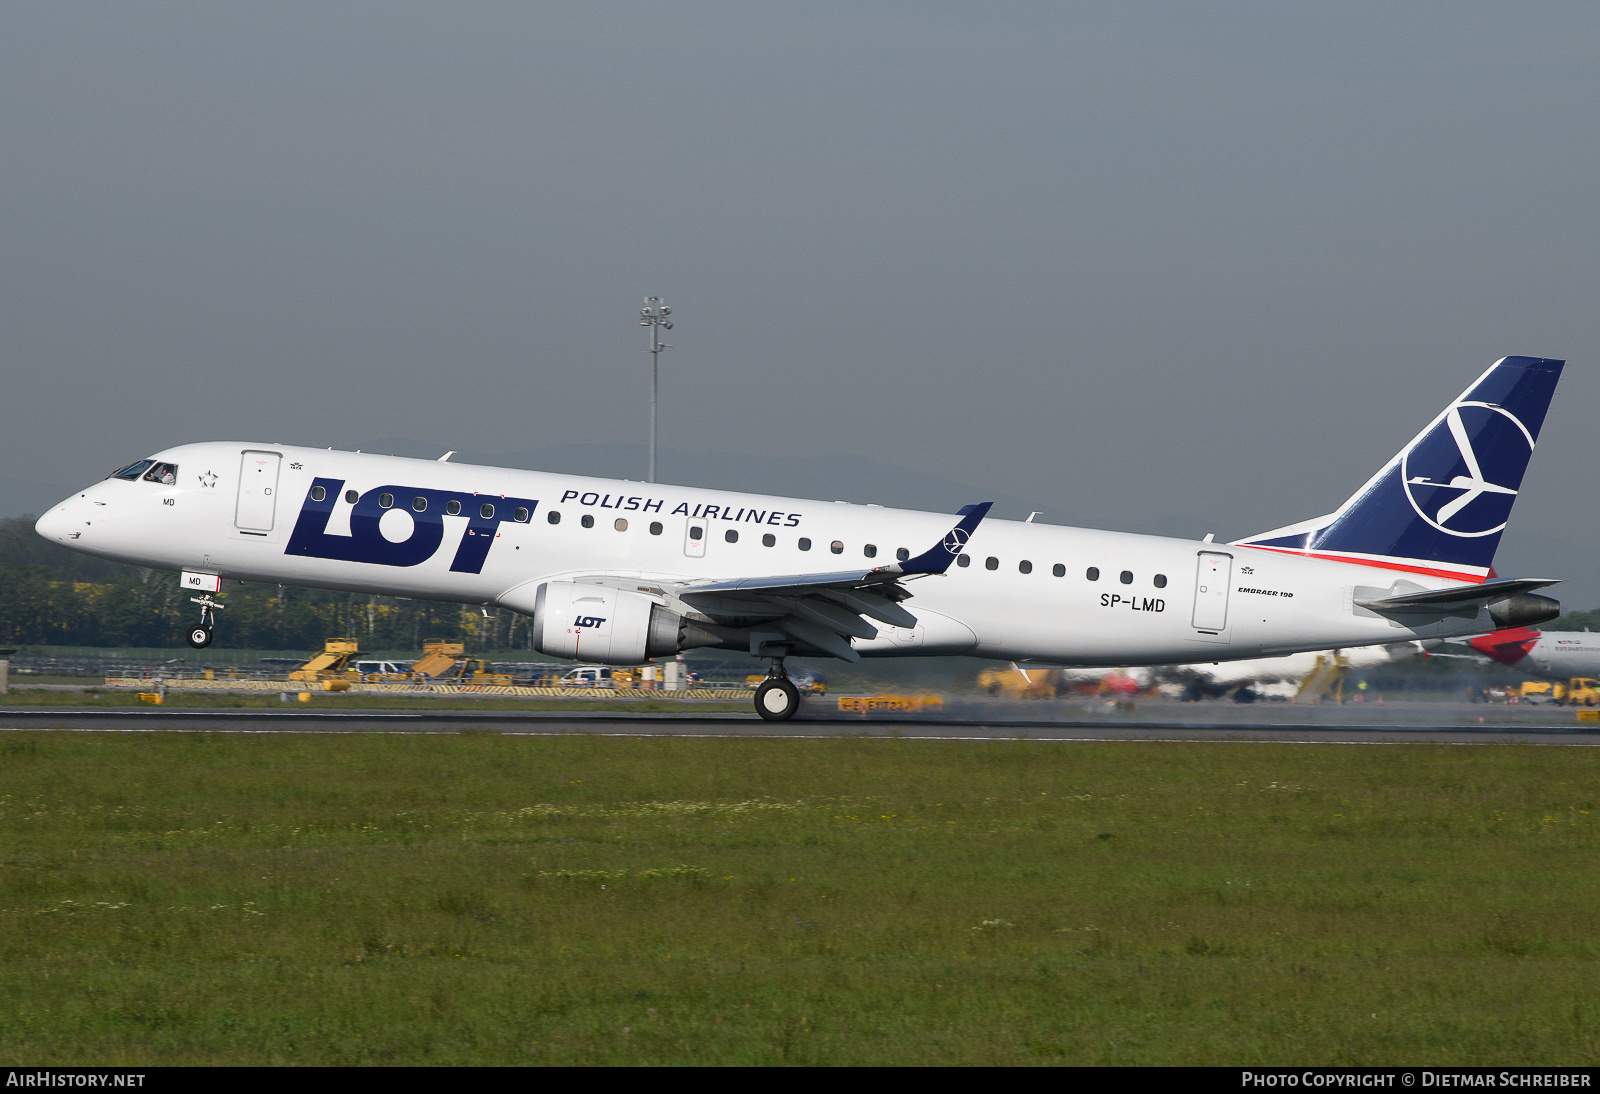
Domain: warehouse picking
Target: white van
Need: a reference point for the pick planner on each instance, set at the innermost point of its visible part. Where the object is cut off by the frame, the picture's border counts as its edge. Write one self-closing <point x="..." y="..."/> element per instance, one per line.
<point x="589" y="676"/>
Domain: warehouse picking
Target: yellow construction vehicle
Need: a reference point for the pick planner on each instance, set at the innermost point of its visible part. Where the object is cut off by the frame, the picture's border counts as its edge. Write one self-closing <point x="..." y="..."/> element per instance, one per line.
<point x="333" y="661"/>
<point x="437" y="657"/>
<point x="1324" y="681"/>
<point x="1579" y="691"/>
<point x="1013" y="683"/>
<point x="446" y="663"/>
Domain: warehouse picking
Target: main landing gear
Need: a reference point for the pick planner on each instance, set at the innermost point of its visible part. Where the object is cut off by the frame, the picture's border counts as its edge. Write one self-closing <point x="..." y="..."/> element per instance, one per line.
<point x="777" y="699"/>
<point x="200" y="634"/>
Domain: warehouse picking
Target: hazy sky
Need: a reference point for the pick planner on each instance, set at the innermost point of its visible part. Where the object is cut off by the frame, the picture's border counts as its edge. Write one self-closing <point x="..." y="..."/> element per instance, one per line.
<point x="1188" y="265"/>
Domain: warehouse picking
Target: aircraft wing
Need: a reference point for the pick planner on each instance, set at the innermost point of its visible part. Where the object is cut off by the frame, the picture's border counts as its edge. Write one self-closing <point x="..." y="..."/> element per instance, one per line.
<point x="826" y="610"/>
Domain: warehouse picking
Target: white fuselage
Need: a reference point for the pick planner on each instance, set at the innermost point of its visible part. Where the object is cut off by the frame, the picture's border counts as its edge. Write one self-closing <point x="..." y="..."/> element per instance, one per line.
<point x="215" y="519"/>
<point x="1561" y="655"/>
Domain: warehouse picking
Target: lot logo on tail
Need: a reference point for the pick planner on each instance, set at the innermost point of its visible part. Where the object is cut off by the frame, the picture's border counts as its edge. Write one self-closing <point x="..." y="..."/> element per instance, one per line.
<point x="1453" y="475"/>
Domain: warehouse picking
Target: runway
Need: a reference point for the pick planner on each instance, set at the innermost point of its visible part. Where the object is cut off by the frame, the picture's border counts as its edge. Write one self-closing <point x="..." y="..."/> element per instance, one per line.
<point x="619" y="724"/>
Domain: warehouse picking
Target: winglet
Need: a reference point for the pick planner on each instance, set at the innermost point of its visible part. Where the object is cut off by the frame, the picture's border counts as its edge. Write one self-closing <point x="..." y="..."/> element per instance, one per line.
<point x="937" y="559"/>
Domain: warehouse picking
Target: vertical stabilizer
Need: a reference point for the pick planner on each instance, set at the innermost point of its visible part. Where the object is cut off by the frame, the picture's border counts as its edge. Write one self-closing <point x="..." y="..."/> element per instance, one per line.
<point x="1439" y="506"/>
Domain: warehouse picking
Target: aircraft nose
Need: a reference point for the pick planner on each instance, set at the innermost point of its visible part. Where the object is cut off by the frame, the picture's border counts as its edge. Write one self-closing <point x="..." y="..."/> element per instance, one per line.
<point x="61" y="524"/>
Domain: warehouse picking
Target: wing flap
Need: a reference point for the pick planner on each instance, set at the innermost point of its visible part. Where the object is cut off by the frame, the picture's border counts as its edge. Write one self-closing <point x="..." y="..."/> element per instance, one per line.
<point x="824" y="611"/>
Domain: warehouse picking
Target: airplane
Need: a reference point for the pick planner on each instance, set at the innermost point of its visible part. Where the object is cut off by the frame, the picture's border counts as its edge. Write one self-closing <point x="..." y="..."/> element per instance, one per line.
<point x="1281" y="676"/>
<point x="1278" y="677"/>
<point x="618" y="572"/>
<point x="1556" y="655"/>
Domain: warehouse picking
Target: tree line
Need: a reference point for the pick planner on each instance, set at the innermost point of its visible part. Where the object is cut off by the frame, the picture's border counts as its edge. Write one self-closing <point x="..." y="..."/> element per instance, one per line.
<point x="50" y="596"/>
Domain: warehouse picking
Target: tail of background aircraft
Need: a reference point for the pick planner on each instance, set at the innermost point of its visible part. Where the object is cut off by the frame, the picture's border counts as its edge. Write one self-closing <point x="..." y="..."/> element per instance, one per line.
<point x="1440" y="505"/>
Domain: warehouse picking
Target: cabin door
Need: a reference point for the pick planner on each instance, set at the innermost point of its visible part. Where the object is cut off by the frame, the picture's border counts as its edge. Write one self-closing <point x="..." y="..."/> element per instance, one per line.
<point x="1213" y="576"/>
<point x="258" y="492"/>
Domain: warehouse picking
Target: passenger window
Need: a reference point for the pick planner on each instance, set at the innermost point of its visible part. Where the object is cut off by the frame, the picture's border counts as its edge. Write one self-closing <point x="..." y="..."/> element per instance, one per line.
<point x="804" y="544"/>
<point x="1025" y="567"/>
<point x="132" y="472"/>
<point x="351" y="496"/>
<point x="1126" y="577"/>
<point x="164" y="473"/>
<point x="697" y="532"/>
<point x="420" y="504"/>
<point x="1058" y="570"/>
<point x="655" y="528"/>
<point x="837" y="547"/>
<point x="553" y="516"/>
<point x="486" y="511"/>
<point x="385" y="500"/>
<point x="870" y="550"/>
<point x="1092" y="573"/>
<point x="991" y="563"/>
<point x="901" y="553"/>
<point x="452" y="508"/>
<point x="520" y="515"/>
<point x="621" y="524"/>
<point x="769" y="540"/>
<point x="963" y="560"/>
<point x="1160" y="581"/>
<point x="731" y="535"/>
<point x="318" y="493"/>
<point x="587" y="520"/>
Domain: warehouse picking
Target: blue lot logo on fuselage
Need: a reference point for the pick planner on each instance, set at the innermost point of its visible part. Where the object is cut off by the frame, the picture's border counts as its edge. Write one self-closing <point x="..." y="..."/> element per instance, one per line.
<point x="366" y="542"/>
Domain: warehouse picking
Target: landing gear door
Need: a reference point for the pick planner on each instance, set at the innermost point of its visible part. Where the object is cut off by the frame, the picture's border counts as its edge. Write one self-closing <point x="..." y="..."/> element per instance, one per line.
<point x="1213" y="576"/>
<point x="694" y="537"/>
<point x="258" y="492"/>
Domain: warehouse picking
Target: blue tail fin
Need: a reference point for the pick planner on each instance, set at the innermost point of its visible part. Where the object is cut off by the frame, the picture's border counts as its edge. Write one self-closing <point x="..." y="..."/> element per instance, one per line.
<point x="1440" y="505"/>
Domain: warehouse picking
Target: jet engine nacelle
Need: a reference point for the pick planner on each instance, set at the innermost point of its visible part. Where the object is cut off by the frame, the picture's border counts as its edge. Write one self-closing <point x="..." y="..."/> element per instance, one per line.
<point x="1524" y="610"/>
<point x="595" y="622"/>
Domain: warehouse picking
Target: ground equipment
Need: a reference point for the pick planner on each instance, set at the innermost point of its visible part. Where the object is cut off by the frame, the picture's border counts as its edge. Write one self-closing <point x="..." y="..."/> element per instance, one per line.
<point x="334" y="660"/>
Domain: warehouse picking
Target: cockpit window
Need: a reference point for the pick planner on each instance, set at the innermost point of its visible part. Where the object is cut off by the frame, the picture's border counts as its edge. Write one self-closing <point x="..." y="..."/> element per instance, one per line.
<point x="164" y="473"/>
<point x="133" y="470"/>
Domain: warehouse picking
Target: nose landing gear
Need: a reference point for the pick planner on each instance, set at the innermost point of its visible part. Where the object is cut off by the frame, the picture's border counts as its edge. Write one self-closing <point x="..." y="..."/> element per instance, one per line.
<point x="200" y="635"/>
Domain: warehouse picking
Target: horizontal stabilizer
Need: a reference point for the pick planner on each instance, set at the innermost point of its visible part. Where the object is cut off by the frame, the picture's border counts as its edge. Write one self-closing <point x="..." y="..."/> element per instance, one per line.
<point x="1461" y="596"/>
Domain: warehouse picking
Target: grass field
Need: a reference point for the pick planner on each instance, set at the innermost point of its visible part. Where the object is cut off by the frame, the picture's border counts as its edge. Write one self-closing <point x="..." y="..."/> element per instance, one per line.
<point x="350" y="899"/>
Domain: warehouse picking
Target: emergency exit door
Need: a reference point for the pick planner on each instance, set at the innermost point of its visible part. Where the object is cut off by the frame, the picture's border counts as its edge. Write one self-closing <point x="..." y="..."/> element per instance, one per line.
<point x="694" y="537"/>
<point x="1213" y="576"/>
<point x="258" y="492"/>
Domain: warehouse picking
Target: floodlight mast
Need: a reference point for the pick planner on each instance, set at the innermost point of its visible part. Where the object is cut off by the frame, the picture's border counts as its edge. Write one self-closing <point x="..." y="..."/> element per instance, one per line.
<point x="654" y="315"/>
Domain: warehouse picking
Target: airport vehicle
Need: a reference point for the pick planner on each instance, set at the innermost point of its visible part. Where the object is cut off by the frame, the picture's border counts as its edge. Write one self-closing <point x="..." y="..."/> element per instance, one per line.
<point x="398" y="670"/>
<point x="1555" y="655"/>
<point x="447" y="663"/>
<point x="620" y="572"/>
<point x="334" y="660"/>
<point x="586" y="676"/>
<point x="438" y="657"/>
<point x="1578" y="691"/>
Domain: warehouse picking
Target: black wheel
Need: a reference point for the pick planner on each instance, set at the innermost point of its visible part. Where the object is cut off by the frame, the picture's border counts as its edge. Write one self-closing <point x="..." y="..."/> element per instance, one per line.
<point x="200" y="637"/>
<point x="777" y="700"/>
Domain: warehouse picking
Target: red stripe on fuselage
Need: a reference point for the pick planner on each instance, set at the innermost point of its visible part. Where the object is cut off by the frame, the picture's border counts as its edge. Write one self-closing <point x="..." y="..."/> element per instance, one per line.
<point x="1404" y="567"/>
